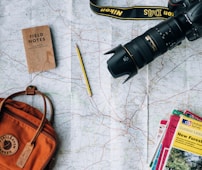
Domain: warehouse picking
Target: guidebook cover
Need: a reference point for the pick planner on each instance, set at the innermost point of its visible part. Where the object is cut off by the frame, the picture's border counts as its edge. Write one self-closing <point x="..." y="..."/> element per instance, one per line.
<point x="166" y="142"/>
<point x="186" y="149"/>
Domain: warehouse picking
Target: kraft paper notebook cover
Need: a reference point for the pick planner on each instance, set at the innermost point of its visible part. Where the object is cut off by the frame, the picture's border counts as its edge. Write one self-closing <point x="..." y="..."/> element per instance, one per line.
<point x="38" y="48"/>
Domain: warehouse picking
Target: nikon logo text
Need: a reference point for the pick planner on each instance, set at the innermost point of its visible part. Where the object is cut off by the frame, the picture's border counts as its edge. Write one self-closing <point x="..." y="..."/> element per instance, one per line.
<point x="153" y="12"/>
<point x="112" y="11"/>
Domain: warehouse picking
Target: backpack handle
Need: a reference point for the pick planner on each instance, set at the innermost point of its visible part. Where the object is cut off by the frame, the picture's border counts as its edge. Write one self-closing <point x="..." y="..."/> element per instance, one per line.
<point x="32" y="90"/>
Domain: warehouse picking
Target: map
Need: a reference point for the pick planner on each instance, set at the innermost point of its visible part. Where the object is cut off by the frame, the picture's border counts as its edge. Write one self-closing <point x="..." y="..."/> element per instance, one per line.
<point x="116" y="128"/>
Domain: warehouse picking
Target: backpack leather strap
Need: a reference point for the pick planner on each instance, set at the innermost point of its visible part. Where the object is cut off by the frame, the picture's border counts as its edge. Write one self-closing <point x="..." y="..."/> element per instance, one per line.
<point x="30" y="90"/>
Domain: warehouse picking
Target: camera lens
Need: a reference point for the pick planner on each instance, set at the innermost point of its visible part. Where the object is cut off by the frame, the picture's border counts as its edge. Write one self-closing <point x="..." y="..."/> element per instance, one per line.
<point x="142" y="50"/>
<point x="121" y="63"/>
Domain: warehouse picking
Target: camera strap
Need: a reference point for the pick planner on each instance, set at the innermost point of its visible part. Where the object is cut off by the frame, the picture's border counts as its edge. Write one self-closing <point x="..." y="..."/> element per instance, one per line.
<point x="132" y="13"/>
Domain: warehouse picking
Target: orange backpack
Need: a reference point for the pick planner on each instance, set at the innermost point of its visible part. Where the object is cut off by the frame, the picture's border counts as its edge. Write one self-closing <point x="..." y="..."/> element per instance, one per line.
<point x="27" y="138"/>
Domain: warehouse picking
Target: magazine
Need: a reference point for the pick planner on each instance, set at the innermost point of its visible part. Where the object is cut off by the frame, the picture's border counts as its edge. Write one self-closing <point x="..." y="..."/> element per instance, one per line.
<point x="166" y="142"/>
<point x="173" y="121"/>
<point x="159" y="138"/>
<point x="185" y="152"/>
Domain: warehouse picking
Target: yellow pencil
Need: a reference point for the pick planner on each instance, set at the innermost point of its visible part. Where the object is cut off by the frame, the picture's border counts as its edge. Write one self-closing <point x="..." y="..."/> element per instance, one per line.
<point x="83" y="71"/>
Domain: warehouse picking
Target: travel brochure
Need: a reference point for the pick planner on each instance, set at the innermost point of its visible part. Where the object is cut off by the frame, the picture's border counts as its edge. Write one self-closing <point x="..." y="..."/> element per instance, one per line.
<point x="179" y="143"/>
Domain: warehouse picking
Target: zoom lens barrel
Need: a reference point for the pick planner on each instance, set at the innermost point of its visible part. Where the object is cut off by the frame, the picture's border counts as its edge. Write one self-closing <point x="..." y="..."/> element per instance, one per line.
<point x="145" y="48"/>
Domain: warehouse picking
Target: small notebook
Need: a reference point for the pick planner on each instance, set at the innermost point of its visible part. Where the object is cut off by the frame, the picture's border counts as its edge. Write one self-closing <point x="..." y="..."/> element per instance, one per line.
<point x="38" y="48"/>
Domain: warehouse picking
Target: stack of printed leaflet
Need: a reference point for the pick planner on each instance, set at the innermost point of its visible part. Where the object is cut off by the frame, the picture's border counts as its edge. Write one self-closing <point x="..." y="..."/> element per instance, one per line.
<point x="180" y="143"/>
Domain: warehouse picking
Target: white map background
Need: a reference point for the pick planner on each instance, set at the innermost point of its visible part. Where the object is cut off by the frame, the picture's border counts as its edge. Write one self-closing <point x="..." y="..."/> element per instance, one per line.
<point x="116" y="128"/>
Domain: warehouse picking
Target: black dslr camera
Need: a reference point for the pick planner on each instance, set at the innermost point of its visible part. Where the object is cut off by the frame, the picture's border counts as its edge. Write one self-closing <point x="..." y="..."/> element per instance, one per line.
<point x="187" y="22"/>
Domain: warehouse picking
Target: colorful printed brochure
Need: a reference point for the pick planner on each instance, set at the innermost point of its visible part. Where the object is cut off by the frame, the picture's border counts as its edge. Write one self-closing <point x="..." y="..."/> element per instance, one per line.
<point x="186" y="148"/>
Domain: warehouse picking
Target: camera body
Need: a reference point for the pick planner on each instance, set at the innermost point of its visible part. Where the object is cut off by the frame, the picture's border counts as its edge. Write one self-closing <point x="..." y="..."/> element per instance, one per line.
<point x="183" y="6"/>
<point x="179" y="6"/>
<point x="186" y="23"/>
